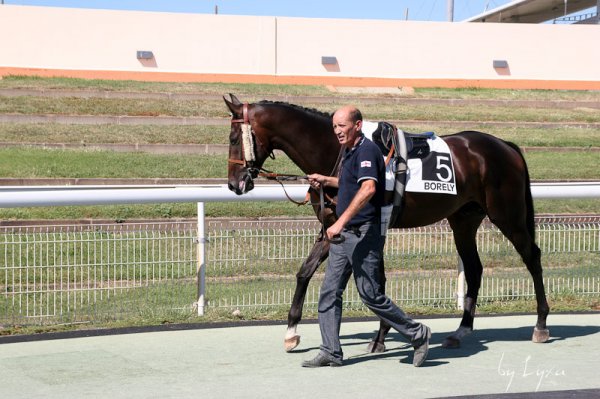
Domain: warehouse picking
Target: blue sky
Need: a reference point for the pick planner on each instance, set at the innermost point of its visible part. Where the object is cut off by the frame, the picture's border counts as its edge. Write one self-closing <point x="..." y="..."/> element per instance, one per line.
<point x="420" y="10"/>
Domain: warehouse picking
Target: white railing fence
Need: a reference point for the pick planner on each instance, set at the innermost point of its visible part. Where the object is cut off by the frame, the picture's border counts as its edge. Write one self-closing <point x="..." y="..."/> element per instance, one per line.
<point x="83" y="273"/>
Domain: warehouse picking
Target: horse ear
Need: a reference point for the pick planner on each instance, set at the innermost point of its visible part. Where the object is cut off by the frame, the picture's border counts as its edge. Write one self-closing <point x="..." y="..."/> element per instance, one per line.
<point x="232" y="105"/>
<point x="234" y="99"/>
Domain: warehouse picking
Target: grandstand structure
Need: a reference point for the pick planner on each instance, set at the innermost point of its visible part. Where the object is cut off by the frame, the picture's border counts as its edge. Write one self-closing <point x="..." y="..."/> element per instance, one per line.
<point x="539" y="11"/>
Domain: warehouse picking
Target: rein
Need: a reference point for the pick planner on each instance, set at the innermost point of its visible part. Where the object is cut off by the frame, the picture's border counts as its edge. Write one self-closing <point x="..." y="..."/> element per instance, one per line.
<point x="280" y="178"/>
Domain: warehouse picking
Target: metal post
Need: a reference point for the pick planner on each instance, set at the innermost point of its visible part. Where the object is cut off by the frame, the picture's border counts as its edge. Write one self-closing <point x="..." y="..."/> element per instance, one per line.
<point x="450" y="10"/>
<point x="201" y="251"/>
<point x="460" y="287"/>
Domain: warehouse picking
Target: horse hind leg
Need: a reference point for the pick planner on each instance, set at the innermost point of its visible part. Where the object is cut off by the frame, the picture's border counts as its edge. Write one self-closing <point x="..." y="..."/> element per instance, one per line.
<point x="541" y="333"/>
<point x="531" y="255"/>
<point x="516" y="223"/>
<point x="464" y="227"/>
<point x="318" y="254"/>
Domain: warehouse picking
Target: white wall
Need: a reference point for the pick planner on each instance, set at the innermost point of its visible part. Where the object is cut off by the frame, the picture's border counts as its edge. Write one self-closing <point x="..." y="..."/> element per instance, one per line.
<point x="404" y="49"/>
<point x="62" y="38"/>
<point x="103" y="40"/>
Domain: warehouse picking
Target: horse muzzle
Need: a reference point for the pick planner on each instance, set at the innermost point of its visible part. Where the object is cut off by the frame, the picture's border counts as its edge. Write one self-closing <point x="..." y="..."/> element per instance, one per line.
<point x="243" y="185"/>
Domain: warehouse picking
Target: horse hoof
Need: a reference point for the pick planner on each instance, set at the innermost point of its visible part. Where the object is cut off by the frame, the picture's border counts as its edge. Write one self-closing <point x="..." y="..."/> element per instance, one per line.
<point x="291" y="343"/>
<point x="375" y="347"/>
<point x="540" y="335"/>
<point x="451" y="343"/>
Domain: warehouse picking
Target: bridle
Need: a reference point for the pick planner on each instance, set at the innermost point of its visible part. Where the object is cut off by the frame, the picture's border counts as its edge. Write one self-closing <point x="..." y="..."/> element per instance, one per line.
<point x="249" y="142"/>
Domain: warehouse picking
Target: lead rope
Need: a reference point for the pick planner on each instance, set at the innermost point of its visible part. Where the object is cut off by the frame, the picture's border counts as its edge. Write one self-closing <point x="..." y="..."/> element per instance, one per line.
<point x="335" y="172"/>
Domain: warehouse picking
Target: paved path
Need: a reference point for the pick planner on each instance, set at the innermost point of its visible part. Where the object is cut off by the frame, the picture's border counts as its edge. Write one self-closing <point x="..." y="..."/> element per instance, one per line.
<point x="249" y="362"/>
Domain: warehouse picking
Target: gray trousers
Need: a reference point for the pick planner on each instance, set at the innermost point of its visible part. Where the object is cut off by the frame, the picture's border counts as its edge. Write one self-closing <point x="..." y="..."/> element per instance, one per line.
<point x="359" y="253"/>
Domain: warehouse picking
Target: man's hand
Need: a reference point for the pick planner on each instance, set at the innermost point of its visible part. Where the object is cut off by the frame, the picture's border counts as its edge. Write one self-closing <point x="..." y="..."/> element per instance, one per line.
<point x="316" y="181"/>
<point x="334" y="230"/>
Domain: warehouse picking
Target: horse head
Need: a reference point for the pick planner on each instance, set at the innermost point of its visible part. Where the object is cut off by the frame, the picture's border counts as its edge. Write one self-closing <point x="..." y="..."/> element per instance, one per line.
<point x="248" y="146"/>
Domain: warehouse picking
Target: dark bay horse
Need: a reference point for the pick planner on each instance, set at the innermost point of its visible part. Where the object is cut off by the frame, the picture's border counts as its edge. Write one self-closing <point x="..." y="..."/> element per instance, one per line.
<point x="492" y="180"/>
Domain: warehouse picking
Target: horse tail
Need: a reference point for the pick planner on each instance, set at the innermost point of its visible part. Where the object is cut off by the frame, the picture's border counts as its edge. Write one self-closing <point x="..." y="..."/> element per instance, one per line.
<point x="528" y="197"/>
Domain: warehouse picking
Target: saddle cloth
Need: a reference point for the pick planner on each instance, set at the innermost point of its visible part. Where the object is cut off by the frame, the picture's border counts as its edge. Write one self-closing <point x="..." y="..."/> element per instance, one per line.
<point x="430" y="167"/>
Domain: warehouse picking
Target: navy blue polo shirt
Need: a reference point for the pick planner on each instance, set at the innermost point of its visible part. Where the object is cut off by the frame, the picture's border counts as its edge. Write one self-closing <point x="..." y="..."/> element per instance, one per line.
<point x="362" y="162"/>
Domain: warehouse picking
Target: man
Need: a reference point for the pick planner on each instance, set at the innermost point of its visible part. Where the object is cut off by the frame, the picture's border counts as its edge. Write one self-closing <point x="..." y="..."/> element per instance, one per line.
<point x="361" y="183"/>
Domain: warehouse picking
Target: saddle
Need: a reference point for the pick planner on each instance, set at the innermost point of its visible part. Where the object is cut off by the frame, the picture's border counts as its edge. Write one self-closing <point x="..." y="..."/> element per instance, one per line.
<point x="416" y="143"/>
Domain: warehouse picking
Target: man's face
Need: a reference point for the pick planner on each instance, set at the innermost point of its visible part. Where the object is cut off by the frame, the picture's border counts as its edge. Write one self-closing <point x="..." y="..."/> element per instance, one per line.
<point x="345" y="129"/>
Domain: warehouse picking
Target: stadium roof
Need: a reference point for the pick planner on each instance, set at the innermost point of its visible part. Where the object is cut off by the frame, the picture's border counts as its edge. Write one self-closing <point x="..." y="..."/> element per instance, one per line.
<point x="533" y="11"/>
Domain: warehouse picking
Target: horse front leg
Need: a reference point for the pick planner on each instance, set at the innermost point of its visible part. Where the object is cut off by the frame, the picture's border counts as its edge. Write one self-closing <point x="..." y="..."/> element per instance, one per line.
<point x="464" y="227"/>
<point x="318" y="254"/>
<point x="377" y="345"/>
<point x="466" y="324"/>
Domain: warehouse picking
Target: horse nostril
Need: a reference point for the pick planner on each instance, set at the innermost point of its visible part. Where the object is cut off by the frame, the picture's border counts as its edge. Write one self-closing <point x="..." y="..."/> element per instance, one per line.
<point x="234" y="188"/>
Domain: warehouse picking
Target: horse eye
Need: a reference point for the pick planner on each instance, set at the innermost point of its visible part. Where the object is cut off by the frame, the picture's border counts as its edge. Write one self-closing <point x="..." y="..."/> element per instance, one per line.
<point x="234" y="140"/>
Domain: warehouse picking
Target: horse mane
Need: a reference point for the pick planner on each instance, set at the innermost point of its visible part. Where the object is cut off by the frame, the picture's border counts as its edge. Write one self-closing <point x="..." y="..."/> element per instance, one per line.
<point x="307" y="110"/>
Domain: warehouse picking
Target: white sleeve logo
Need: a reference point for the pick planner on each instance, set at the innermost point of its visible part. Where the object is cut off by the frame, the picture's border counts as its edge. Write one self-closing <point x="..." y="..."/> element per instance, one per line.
<point x="365" y="164"/>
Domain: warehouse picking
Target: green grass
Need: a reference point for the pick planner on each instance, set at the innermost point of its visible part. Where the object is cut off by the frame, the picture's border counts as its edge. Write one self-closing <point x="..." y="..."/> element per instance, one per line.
<point x="215" y="109"/>
<point x="31" y="163"/>
<point x="224" y="209"/>
<point x="249" y="89"/>
<point x="32" y="82"/>
<point x="549" y="165"/>
<point x="468" y="113"/>
<point x="154" y="312"/>
<point x="117" y="134"/>
<point x="201" y="134"/>
<point x="35" y="163"/>
<point x="103" y="106"/>
<point x="166" y="210"/>
<point x="509" y="94"/>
